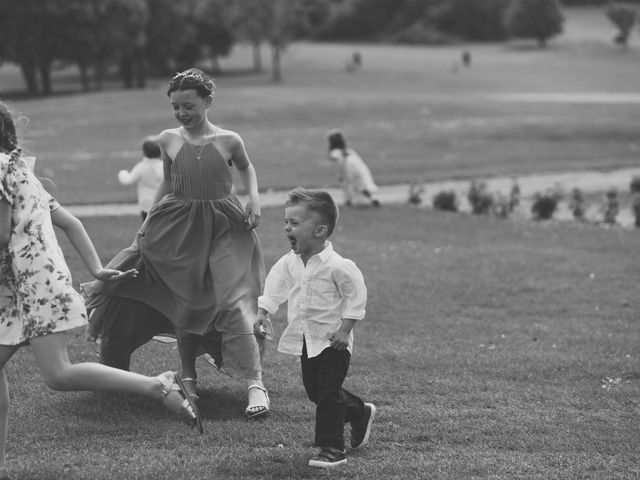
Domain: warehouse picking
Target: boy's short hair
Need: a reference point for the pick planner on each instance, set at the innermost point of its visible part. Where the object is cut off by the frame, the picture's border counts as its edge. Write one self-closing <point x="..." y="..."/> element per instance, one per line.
<point x="151" y="149"/>
<point x="317" y="201"/>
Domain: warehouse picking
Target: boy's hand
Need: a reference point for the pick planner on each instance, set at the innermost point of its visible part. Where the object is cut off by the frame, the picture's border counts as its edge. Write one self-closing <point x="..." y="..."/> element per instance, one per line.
<point x="339" y="340"/>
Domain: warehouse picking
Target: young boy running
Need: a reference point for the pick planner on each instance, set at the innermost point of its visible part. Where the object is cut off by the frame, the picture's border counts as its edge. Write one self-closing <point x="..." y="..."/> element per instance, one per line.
<point x="326" y="296"/>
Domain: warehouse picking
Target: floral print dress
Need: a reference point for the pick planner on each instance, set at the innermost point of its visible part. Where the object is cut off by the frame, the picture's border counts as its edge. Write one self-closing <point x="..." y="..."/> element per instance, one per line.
<point x="36" y="294"/>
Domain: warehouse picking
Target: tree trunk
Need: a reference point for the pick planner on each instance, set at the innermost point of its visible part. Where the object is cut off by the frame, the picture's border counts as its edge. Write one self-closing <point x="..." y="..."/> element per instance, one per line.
<point x="257" y="57"/>
<point x="84" y="76"/>
<point x="29" y="74"/>
<point x="215" y="64"/>
<point x="140" y="72"/>
<point x="126" y="71"/>
<point x="276" y="73"/>
<point x="98" y="75"/>
<point x="44" y="67"/>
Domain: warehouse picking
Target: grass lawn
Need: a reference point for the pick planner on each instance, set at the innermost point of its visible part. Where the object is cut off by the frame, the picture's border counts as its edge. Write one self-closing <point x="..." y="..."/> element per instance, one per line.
<point x="493" y="350"/>
<point x="407" y="112"/>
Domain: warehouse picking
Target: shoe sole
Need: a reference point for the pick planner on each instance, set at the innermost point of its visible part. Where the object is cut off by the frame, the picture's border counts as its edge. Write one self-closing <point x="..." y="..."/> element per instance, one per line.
<point x="365" y="439"/>
<point x="320" y="464"/>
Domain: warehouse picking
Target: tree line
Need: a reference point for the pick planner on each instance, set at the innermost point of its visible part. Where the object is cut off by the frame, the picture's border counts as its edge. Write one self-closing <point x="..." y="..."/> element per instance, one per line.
<point x="143" y="37"/>
<point x="139" y="36"/>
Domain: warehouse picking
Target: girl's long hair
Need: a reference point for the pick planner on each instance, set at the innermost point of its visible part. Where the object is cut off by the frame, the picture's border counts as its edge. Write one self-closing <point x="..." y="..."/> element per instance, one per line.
<point x="8" y="137"/>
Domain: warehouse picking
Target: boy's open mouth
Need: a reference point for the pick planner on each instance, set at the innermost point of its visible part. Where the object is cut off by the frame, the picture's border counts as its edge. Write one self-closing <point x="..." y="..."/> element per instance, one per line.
<point x="292" y="241"/>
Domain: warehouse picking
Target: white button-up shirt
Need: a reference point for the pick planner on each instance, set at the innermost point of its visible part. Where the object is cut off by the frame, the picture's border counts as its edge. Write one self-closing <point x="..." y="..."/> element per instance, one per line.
<point x="320" y="294"/>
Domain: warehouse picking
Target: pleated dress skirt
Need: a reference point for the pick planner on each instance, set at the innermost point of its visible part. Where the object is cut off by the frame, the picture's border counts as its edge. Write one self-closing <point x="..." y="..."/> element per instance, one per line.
<point x="198" y="266"/>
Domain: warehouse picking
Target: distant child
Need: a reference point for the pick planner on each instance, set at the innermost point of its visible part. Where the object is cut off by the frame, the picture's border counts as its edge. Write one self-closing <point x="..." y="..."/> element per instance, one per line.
<point x="577" y="204"/>
<point x="146" y="174"/>
<point x="355" y="177"/>
<point x="326" y="297"/>
<point x="38" y="303"/>
<point x="610" y="207"/>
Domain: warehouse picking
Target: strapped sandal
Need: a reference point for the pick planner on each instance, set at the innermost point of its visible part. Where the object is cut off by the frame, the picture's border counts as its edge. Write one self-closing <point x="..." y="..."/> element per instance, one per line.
<point x="175" y="398"/>
<point x="258" y="410"/>
<point x="191" y="381"/>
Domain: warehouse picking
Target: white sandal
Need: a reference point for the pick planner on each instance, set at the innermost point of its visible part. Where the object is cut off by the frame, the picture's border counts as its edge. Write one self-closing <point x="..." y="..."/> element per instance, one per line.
<point x="258" y="410"/>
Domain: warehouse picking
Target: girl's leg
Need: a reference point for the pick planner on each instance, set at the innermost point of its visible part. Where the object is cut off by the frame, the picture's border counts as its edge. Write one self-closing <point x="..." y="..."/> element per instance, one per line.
<point x="187" y="347"/>
<point x="53" y="361"/>
<point x="59" y="374"/>
<point x="6" y="352"/>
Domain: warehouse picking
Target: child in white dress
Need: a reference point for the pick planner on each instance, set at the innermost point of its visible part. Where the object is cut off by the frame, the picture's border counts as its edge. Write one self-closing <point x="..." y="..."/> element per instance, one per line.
<point x="147" y="174"/>
<point x="355" y="177"/>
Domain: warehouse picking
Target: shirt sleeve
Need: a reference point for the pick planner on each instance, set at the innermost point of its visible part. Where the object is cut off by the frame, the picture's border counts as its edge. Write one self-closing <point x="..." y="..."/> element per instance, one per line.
<point x="351" y="286"/>
<point x="127" y="178"/>
<point x="276" y="287"/>
<point x="336" y="154"/>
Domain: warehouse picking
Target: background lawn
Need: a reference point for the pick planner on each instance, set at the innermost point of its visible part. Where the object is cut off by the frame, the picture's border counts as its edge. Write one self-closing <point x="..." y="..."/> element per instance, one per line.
<point x="492" y="349"/>
<point x="407" y="112"/>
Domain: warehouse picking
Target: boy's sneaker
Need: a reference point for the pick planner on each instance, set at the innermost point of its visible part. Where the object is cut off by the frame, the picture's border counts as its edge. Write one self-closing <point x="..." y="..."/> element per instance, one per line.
<point x="328" y="458"/>
<point x="360" y="429"/>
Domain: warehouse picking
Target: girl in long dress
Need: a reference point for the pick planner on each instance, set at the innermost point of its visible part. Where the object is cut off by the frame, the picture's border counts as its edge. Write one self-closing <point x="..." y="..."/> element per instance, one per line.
<point x="199" y="259"/>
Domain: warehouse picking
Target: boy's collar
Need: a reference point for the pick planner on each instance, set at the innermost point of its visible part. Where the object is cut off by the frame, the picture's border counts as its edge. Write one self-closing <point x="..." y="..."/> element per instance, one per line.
<point x="326" y="251"/>
<point x="323" y="254"/>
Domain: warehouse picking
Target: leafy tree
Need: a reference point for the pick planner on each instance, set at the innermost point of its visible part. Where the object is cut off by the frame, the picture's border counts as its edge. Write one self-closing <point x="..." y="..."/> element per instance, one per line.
<point x="101" y="33"/>
<point x="248" y="19"/>
<point x="132" y="42"/>
<point x="91" y="33"/>
<point x="371" y="19"/>
<point x="214" y="35"/>
<point x="537" y="19"/>
<point x="30" y="31"/>
<point x="472" y="19"/>
<point x="624" y="17"/>
<point x="276" y="22"/>
<point x="180" y="34"/>
<point x="170" y="34"/>
<point x="384" y="19"/>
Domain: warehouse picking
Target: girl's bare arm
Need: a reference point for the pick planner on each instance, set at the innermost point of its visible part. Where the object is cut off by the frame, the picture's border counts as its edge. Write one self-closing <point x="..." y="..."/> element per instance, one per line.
<point x="79" y="238"/>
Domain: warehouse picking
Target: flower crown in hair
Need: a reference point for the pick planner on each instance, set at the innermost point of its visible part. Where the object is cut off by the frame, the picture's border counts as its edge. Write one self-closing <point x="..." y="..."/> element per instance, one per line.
<point x="192" y="78"/>
<point x="189" y="75"/>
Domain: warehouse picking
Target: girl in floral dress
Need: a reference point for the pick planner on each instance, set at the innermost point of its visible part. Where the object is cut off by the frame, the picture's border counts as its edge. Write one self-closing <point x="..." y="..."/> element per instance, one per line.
<point x="37" y="300"/>
<point x="199" y="259"/>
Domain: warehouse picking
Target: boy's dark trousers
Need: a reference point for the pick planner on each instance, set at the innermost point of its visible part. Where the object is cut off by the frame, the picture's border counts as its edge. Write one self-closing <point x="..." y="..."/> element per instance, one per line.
<point x="322" y="377"/>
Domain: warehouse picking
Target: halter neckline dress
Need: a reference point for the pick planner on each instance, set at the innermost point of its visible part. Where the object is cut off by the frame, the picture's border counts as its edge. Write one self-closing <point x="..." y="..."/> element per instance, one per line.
<point x="198" y="265"/>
